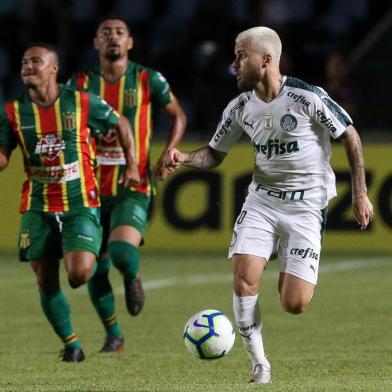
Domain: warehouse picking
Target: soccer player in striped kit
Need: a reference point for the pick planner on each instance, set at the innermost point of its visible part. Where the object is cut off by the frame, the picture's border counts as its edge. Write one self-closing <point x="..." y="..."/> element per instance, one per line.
<point x="290" y="124"/>
<point x="53" y="125"/>
<point x="135" y="91"/>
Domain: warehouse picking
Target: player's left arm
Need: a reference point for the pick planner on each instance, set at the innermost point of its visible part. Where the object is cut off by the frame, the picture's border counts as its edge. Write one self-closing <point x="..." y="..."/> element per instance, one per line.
<point x="162" y="96"/>
<point x="178" y="123"/>
<point x="362" y="207"/>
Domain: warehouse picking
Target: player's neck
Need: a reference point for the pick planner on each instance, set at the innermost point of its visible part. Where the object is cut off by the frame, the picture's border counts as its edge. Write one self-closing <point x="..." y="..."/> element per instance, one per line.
<point x="45" y="95"/>
<point x="269" y="88"/>
<point x="112" y="70"/>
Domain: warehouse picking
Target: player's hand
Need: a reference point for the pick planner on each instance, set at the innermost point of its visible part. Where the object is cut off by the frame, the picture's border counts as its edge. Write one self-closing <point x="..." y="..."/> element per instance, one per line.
<point x="174" y="158"/>
<point x="161" y="171"/>
<point x="130" y="176"/>
<point x="363" y="211"/>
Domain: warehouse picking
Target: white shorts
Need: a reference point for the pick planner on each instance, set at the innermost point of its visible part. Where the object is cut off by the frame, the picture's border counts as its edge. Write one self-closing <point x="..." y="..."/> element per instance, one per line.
<point x="266" y="225"/>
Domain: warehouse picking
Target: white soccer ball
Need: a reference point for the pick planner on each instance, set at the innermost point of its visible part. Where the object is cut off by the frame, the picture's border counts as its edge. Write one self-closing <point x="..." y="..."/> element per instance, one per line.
<point x="209" y="334"/>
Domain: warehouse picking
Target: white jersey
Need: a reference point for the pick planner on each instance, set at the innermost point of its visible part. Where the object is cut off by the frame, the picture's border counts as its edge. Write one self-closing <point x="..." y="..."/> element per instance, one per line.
<point x="290" y="137"/>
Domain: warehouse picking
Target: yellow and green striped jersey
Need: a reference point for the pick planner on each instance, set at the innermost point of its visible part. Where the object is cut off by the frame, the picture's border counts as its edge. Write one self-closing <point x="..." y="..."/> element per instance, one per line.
<point x="134" y="95"/>
<point x="57" y="147"/>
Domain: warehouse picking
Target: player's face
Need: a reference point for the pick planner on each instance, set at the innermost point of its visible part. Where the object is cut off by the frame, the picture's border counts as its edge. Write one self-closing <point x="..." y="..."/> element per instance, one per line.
<point x="38" y="66"/>
<point x="247" y="66"/>
<point x="112" y="39"/>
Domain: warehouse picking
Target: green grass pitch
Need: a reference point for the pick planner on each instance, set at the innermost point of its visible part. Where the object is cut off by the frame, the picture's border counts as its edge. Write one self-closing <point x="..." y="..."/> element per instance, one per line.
<point x="343" y="342"/>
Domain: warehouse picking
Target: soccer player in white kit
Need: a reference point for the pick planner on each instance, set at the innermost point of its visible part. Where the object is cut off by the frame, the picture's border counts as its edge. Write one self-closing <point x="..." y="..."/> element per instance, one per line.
<point x="289" y="123"/>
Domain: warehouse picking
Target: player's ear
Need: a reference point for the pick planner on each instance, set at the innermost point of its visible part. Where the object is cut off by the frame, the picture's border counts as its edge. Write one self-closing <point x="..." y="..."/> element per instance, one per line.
<point x="95" y="43"/>
<point x="55" y="68"/>
<point x="267" y="59"/>
<point x="130" y="43"/>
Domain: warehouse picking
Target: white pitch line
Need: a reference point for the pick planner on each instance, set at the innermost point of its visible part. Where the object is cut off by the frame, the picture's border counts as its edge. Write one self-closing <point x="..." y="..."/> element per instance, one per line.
<point x="222" y="278"/>
<point x="349" y="265"/>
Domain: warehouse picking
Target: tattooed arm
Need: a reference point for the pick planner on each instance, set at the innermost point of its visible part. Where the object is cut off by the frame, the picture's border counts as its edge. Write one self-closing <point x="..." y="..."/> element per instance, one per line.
<point x="363" y="208"/>
<point x="203" y="158"/>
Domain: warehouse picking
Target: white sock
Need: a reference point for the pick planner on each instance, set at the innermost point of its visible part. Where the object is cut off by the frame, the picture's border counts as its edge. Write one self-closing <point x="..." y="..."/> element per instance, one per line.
<point x="248" y="319"/>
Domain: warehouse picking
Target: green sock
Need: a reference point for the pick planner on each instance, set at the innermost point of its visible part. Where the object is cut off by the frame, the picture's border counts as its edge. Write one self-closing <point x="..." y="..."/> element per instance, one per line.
<point x="101" y="295"/>
<point x="58" y="313"/>
<point x="125" y="257"/>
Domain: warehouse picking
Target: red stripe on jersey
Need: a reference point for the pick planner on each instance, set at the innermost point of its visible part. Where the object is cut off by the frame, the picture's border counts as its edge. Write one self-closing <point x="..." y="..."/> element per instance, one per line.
<point x="15" y="122"/>
<point x="143" y="122"/>
<point x="81" y="81"/>
<point x="49" y="127"/>
<point x="112" y="91"/>
<point x="88" y="164"/>
<point x="107" y="172"/>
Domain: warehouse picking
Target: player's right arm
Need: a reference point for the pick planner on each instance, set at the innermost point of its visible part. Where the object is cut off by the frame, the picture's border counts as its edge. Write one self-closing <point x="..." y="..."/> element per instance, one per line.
<point x="203" y="158"/>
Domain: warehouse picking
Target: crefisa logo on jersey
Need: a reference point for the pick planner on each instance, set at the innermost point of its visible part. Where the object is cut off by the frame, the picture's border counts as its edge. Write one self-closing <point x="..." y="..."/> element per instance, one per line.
<point x="223" y="129"/>
<point x="288" y="122"/>
<point x="50" y="146"/>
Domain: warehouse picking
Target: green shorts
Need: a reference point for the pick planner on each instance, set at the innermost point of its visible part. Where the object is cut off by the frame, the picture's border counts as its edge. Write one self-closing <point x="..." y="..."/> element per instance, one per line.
<point x="51" y="235"/>
<point x="131" y="209"/>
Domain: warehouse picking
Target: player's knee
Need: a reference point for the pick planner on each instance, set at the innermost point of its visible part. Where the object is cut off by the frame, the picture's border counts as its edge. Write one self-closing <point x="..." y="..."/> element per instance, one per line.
<point x="243" y="288"/>
<point x="293" y="306"/>
<point x="79" y="277"/>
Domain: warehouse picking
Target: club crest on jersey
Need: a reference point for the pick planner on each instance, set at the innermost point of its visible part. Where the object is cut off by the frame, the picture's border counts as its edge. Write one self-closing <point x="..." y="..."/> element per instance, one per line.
<point x="268" y="123"/>
<point x="68" y="120"/>
<point x="288" y="122"/>
<point x="110" y="137"/>
<point x="130" y="98"/>
<point x="50" y="146"/>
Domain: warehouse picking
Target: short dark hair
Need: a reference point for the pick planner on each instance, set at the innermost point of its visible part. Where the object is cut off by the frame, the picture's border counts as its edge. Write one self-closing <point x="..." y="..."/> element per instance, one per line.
<point x="112" y="17"/>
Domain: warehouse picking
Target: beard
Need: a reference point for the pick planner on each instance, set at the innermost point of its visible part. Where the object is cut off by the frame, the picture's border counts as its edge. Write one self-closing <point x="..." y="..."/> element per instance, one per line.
<point x="248" y="81"/>
<point x="112" y="55"/>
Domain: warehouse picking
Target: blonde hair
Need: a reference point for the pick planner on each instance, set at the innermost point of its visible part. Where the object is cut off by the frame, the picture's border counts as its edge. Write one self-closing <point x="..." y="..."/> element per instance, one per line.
<point x="264" y="40"/>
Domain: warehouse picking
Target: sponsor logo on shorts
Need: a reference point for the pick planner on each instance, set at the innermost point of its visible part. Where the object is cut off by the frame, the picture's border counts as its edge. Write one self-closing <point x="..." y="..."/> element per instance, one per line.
<point x="85" y="237"/>
<point x="24" y="241"/>
<point x="288" y="122"/>
<point x="308" y="252"/>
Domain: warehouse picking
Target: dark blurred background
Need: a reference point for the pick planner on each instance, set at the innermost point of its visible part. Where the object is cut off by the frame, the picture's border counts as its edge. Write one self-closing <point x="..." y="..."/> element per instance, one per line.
<point x="344" y="46"/>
